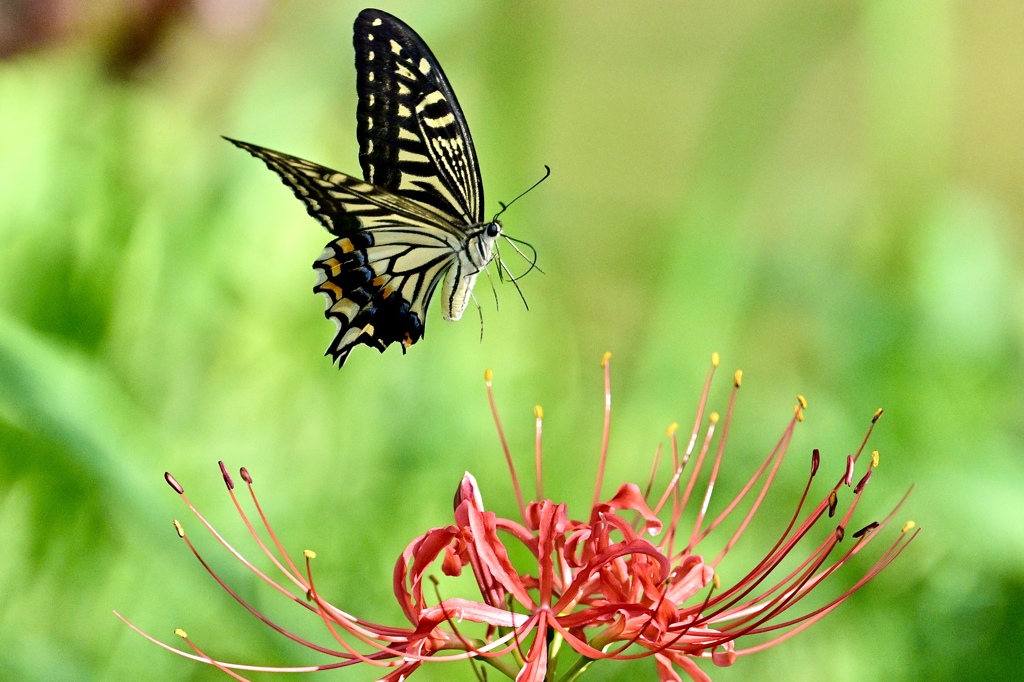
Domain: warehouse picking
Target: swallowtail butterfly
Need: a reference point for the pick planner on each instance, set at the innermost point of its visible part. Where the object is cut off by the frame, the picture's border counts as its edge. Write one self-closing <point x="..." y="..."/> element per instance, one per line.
<point x="417" y="217"/>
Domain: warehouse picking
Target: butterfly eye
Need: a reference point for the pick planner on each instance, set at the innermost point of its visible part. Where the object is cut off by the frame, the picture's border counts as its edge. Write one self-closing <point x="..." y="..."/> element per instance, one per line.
<point x="493" y="229"/>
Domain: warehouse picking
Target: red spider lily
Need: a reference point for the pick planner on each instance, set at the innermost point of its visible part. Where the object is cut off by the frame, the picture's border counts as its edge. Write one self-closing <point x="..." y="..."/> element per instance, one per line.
<point x="607" y="587"/>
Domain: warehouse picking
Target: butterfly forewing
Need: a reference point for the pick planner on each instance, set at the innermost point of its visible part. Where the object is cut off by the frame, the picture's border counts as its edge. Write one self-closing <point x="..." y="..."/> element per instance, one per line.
<point x="344" y="204"/>
<point x="413" y="139"/>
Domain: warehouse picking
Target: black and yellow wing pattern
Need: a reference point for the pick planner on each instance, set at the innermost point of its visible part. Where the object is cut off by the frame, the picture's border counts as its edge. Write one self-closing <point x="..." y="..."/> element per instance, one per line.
<point x="416" y="219"/>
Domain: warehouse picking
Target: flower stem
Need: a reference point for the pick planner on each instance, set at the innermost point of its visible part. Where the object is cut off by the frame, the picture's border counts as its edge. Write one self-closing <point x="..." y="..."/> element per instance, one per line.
<point x="577" y="669"/>
<point x="501" y="665"/>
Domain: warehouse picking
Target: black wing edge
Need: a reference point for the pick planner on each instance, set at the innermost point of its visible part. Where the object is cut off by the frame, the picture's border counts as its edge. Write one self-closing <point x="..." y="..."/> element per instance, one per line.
<point x="383" y="317"/>
<point x="326" y="210"/>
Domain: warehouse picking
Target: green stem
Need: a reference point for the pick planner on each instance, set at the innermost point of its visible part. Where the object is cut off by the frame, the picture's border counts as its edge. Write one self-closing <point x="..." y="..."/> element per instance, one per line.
<point x="501" y="665"/>
<point x="577" y="669"/>
<point x="553" y="648"/>
<point x="506" y="668"/>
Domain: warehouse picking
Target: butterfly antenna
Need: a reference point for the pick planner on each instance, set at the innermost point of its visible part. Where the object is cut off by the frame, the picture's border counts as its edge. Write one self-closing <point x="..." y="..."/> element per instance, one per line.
<point x="504" y="206"/>
<point x="532" y="257"/>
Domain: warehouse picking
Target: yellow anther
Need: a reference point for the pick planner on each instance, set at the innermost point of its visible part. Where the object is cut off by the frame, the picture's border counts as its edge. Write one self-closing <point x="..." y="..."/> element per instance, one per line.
<point x="605" y="358"/>
<point x="909" y="525"/>
<point x="874" y="458"/>
<point x="178" y="527"/>
<point x="672" y="428"/>
<point x="878" y="413"/>
<point x="538" y="412"/>
<point x="309" y="554"/>
<point x="713" y="417"/>
<point x="798" y="413"/>
<point x="737" y="378"/>
<point x="181" y="633"/>
<point x="717" y="582"/>
<point x="715" y="359"/>
<point x="488" y="374"/>
<point x="802" y="400"/>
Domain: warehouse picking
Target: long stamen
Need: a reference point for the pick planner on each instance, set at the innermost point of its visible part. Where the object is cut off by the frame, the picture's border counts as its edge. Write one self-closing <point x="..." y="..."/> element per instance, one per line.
<point x="605" y="365"/>
<point x="181" y="633"/>
<point x="504" y="443"/>
<point x="737" y="380"/>
<point x="213" y="531"/>
<point x="777" y="554"/>
<point x="233" y="666"/>
<point x="774" y="458"/>
<point x="678" y="465"/>
<point x="654" y="465"/>
<point x="538" y="412"/>
<point x="293" y="574"/>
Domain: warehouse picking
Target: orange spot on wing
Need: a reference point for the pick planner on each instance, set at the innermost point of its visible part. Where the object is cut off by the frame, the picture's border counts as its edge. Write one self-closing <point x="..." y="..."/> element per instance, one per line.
<point x="333" y="289"/>
<point x="334" y="265"/>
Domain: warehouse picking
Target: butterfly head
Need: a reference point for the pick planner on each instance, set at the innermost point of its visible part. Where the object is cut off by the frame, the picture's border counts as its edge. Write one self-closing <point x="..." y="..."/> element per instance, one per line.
<point x="481" y="243"/>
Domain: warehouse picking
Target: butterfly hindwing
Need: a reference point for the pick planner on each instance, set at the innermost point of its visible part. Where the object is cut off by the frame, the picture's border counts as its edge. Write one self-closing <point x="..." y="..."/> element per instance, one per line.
<point x="389" y="255"/>
<point x="413" y="138"/>
<point x="378" y="284"/>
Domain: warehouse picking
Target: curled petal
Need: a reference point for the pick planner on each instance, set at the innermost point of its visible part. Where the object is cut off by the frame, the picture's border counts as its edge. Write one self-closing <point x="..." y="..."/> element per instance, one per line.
<point x="630" y="497"/>
<point x="571" y="593"/>
<point x="493" y="556"/>
<point x="666" y="673"/>
<point x="684" y="662"/>
<point x="725" y="657"/>
<point x="688" y="578"/>
<point x="465" y="609"/>
<point x="451" y="565"/>
<point x="421" y="553"/>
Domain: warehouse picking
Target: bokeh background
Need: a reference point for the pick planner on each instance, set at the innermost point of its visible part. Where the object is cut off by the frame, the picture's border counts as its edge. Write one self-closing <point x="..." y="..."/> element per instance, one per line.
<point x="827" y="193"/>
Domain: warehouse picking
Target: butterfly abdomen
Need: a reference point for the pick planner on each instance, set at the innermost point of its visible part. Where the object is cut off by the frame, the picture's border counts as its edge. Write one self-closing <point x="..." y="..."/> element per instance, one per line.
<point x="456" y="291"/>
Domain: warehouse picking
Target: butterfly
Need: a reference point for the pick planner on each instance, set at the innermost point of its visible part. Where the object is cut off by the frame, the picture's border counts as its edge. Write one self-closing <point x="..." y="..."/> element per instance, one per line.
<point x="416" y="219"/>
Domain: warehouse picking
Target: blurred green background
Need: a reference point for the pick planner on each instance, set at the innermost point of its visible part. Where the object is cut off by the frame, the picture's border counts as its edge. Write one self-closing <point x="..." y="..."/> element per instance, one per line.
<point x="828" y="193"/>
